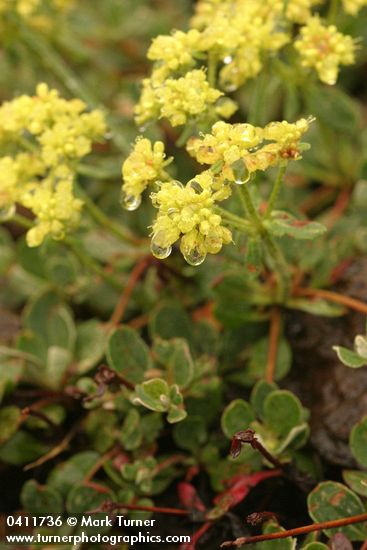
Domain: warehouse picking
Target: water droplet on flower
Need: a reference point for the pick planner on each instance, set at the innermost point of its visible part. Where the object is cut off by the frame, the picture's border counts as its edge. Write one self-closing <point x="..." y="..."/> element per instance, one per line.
<point x="195" y="185"/>
<point x="6" y="212"/>
<point x="159" y="251"/>
<point x="195" y="257"/>
<point x="172" y="211"/>
<point x="242" y="181"/>
<point x="130" y="202"/>
<point x="248" y="135"/>
<point x="229" y="87"/>
<point x="227" y="60"/>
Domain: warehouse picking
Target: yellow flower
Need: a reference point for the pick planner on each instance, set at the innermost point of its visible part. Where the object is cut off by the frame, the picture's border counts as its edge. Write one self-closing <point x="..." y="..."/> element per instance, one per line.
<point x="56" y="210"/>
<point x="187" y="213"/>
<point x="239" y="33"/>
<point x="242" y="149"/>
<point x="175" y="51"/>
<point x="353" y="6"/>
<point x="144" y="165"/>
<point x="324" y="48"/>
<point x="48" y="135"/>
<point x="176" y="99"/>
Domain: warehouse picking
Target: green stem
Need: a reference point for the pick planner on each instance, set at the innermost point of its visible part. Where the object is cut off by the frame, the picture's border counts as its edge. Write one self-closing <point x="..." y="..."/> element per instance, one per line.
<point x="91" y="264"/>
<point x="275" y="191"/>
<point x="101" y="219"/>
<point x="280" y="264"/>
<point x="212" y="68"/>
<point x="240" y="222"/>
<point x="333" y="10"/>
<point x="96" y="172"/>
<point x="249" y="207"/>
<point x="22" y="221"/>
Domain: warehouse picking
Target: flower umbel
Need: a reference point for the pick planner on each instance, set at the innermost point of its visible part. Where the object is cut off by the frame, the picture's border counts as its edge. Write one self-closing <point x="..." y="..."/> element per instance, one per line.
<point x="176" y="99"/>
<point x="256" y="148"/>
<point x="187" y="213"/>
<point x="45" y="136"/>
<point x="144" y="165"/>
<point x="324" y="48"/>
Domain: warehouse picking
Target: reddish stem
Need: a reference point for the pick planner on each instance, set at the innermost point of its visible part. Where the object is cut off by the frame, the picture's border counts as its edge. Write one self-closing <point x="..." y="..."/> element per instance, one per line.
<point x="135" y="275"/>
<point x="341" y="204"/>
<point x="351" y="303"/>
<point x="109" y="506"/>
<point x="298" y="531"/>
<point x="28" y="411"/>
<point x="275" y="325"/>
<point x="316" y="198"/>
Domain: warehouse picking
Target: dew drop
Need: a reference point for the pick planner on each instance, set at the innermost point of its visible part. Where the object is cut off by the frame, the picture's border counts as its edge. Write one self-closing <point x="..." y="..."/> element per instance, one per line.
<point x="227" y="60"/>
<point x="242" y="181"/>
<point x="229" y="86"/>
<point x="172" y="211"/>
<point x="196" y="187"/>
<point x="195" y="257"/>
<point x="6" y="212"/>
<point x="158" y="251"/>
<point x="130" y="202"/>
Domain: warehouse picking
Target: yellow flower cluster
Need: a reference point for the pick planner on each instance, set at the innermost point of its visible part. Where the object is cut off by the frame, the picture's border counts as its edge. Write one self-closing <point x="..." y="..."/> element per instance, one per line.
<point x="241" y="149"/>
<point x="176" y="99"/>
<point x="187" y="213"/>
<point x="145" y="165"/>
<point x="55" y="208"/>
<point x="353" y="6"/>
<point x="239" y="32"/>
<point x="48" y="135"/>
<point x="173" y="52"/>
<point x="324" y="48"/>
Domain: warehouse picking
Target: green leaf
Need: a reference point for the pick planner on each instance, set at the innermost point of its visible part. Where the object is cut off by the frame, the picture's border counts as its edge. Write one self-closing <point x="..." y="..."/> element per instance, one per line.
<point x="41" y="499"/>
<point x="175" y="356"/>
<point x="280" y="544"/>
<point x="282" y="412"/>
<point x="357" y="481"/>
<point x="176" y="414"/>
<point x="258" y="395"/>
<point x="255" y="369"/>
<point x="190" y="434"/>
<point x="10" y="373"/>
<point x="51" y="321"/>
<point x="282" y="224"/>
<point x="236" y="416"/>
<point x="61" y="270"/>
<point x="358" y="441"/>
<point x="128" y="354"/>
<point x="153" y="394"/>
<point x="131" y="434"/>
<point x="90" y="345"/>
<point x="22" y="448"/>
<point x="71" y="472"/>
<point x="100" y="427"/>
<point x="330" y="501"/>
<point x="360" y="344"/>
<point x="316" y="307"/>
<point x="83" y="498"/>
<point x="58" y="361"/>
<point x="10" y="419"/>
<point x="349" y="358"/>
<point x="333" y="108"/>
<point x="315" y="546"/>
<point x="171" y="321"/>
